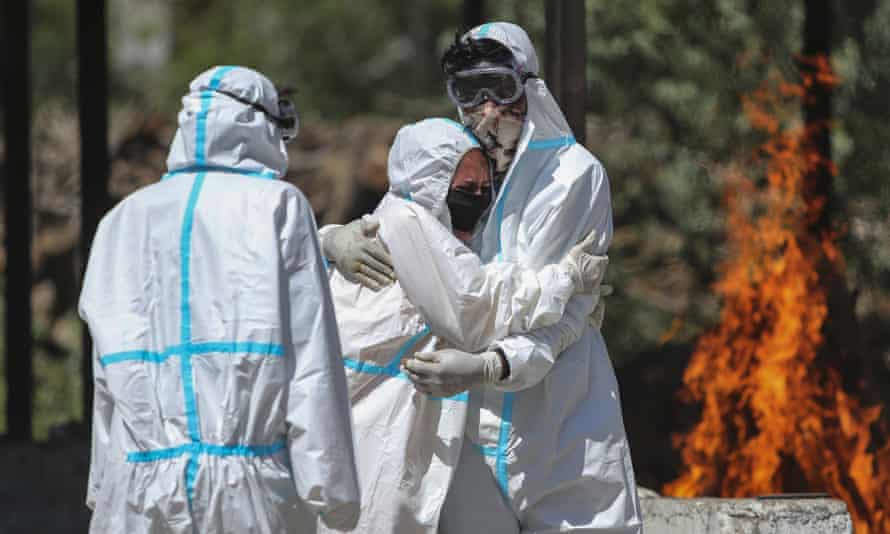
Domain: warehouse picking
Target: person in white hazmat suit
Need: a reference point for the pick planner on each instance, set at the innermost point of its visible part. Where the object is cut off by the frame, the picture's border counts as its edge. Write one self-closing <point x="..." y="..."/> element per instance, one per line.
<point x="220" y="395"/>
<point x="551" y="432"/>
<point x="408" y="443"/>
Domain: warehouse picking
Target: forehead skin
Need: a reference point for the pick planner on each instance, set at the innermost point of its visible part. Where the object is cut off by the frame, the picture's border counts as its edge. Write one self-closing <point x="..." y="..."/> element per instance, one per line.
<point x="473" y="173"/>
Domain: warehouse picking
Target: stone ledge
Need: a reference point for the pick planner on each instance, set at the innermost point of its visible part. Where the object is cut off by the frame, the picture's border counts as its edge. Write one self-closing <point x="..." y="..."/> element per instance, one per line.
<point x="662" y="515"/>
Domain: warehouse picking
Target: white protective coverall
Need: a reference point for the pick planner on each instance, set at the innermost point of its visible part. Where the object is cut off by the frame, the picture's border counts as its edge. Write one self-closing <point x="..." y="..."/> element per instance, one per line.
<point x="552" y="432"/>
<point x="407" y="443"/>
<point x="220" y="397"/>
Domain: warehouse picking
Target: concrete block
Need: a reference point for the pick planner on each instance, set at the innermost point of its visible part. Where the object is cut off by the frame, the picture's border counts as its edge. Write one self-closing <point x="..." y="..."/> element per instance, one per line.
<point x="662" y="515"/>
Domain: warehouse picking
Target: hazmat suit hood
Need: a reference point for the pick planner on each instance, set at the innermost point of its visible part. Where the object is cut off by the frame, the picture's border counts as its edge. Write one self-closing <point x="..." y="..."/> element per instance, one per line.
<point x="544" y="119"/>
<point x="217" y="132"/>
<point x="422" y="162"/>
<point x="545" y="146"/>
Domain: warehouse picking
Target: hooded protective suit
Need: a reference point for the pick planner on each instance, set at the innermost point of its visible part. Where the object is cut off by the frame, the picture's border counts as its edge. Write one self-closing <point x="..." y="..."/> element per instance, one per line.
<point x="407" y="443"/>
<point x="552" y="432"/>
<point x="220" y="396"/>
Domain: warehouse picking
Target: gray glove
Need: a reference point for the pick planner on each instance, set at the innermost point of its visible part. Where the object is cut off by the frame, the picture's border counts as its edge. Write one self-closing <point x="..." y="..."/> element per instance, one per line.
<point x="599" y="313"/>
<point x="357" y="253"/>
<point x="447" y="372"/>
<point x="586" y="269"/>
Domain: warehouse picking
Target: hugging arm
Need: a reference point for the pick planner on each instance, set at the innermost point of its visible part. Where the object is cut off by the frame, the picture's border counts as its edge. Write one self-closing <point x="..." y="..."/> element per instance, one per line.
<point x="466" y="303"/>
<point x="529" y="356"/>
<point x="587" y="198"/>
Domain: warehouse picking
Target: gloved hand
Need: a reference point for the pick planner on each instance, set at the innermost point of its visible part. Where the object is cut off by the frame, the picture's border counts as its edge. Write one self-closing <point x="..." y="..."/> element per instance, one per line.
<point x="599" y="313"/>
<point x="358" y="254"/>
<point x="447" y="372"/>
<point x="587" y="270"/>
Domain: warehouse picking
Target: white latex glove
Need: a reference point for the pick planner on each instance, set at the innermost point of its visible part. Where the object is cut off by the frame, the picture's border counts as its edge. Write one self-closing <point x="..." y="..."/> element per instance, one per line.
<point x="586" y="269"/>
<point x="357" y="253"/>
<point x="447" y="372"/>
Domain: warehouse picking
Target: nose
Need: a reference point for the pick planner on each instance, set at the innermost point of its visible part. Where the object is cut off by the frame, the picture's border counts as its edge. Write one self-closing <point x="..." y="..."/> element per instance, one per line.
<point x="488" y="107"/>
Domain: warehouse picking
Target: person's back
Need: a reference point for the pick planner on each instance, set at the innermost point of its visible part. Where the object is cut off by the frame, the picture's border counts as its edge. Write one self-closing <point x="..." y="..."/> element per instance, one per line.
<point x="220" y="396"/>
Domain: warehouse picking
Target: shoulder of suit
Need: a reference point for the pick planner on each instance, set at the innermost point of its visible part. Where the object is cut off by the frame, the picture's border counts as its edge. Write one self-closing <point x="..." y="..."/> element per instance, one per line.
<point x="578" y="155"/>
<point x="401" y="210"/>
<point x="280" y="191"/>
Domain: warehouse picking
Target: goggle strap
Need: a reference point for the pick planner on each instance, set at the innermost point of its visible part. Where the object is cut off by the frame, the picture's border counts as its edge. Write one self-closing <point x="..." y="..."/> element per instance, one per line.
<point x="283" y="122"/>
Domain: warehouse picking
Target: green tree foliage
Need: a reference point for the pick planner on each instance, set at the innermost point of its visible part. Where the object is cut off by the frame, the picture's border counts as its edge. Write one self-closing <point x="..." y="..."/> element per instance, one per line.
<point x="863" y="183"/>
<point x="53" y="43"/>
<point x="344" y="58"/>
<point x="665" y="80"/>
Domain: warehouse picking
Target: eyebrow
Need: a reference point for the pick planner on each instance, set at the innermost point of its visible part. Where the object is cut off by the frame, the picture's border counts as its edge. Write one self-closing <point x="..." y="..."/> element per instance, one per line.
<point x="468" y="187"/>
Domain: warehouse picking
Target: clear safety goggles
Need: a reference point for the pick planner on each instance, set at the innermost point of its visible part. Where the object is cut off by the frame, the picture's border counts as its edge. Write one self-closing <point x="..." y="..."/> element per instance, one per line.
<point x="501" y="85"/>
<point x="288" y="119"/>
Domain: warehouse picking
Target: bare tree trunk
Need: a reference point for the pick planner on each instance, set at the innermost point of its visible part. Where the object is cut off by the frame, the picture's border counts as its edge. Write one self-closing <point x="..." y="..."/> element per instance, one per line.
<point x="817" y="109"/>
<point x="842" y="347"/>
<point x="92" y="95"/>
<point x="567" y="60"/>
<point x="574" y="74"/>
<point x="473" y="13"/>
<point x="553" y="14"/>
<point x="17" y="200"/>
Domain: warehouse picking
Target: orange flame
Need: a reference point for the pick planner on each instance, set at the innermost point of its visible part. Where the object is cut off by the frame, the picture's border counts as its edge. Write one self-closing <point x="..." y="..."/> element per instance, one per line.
<point x="775" y="414"/>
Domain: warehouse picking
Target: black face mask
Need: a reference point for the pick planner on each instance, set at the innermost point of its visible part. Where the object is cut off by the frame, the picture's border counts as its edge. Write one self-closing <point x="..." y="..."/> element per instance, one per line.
<point x="466" y="208"/>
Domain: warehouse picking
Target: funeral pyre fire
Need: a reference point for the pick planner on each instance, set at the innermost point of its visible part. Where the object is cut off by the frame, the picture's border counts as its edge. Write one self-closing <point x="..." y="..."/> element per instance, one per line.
<point x="776" y="413"/>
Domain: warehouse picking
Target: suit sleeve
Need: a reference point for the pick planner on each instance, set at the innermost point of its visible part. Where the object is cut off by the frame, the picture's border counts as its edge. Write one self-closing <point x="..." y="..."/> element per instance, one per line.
<point x="586" y="198"/>
<point x="463" y="301"/>
<point x="103" y="408"/>
<point x="97" y="308"/>
<point x="319" y="433"/>
<point x="322" y="232"/>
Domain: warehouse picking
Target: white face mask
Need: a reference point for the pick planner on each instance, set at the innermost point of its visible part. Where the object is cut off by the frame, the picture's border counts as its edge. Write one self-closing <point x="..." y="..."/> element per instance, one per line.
<point x="498" y="129"/>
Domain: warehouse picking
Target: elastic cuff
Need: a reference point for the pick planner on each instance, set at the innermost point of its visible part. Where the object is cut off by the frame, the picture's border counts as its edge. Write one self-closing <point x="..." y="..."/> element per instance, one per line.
<point x="505" y="364"/>
<point x="518" y="352"/>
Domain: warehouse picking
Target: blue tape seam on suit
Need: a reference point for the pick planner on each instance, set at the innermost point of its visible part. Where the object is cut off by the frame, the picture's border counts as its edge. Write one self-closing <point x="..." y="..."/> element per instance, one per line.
<point x="218" y="347"/>
<point x="204" y="448"/>
<point x="557" y="142"/>
<point x="392" y="368"/>
<point x="191" y="169"/>
<point x="191" y="414"/>
<point x="500" y="452"/>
